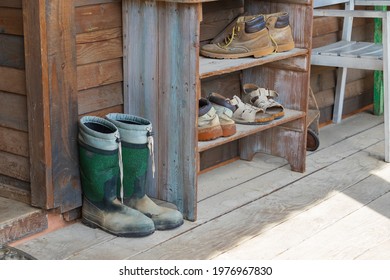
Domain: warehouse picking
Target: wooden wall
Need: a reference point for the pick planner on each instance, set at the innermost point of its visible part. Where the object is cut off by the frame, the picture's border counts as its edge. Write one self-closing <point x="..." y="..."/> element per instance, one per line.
<point x="96" y="39"/>
<point x="14" y="148"/>
<point x="359" y="88"/>
<point x="99" y="56"/>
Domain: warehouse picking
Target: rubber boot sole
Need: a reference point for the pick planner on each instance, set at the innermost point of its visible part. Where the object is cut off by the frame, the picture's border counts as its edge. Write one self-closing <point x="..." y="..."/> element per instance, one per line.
<point x="167" y="226"/>
<point x="94" y="225"/>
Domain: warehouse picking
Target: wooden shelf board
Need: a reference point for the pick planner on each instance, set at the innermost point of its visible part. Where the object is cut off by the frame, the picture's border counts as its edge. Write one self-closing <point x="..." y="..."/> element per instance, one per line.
<point x="213" y="67"/>
<point x="246" y="130"/>
<point x="187" y="1"/>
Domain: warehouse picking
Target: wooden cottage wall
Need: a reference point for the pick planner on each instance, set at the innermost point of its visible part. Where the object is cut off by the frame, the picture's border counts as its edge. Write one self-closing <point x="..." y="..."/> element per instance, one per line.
<point x="99" y="56"/>
<point x="14" y="148"/>
<point x="94" y="37"/>
<point x="359" y="88"/>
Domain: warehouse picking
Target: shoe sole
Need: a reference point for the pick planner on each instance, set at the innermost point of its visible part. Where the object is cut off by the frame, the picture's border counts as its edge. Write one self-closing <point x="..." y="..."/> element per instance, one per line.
<point x="228" y="130"/>
<point x="209" y="133"/>
<point x="278" y="115"/>
<point x="265" y="120"/>
<point x="256" y="54"/>
<point x="285" y="47"/>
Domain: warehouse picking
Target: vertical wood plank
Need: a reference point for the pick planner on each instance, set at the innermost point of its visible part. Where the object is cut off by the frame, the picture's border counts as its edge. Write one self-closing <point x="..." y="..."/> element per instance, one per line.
<point x="162" y="84"/>
<point x="179" y="87"/>
<point x="52" y="103"/>
<point x="35" y="42"/>
<point x="62" y="69"/>
<point x="140" y="59"/>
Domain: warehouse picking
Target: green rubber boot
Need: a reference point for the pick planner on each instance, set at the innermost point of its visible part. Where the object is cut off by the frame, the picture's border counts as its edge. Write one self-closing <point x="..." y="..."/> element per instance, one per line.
<point x="137" y="145"/>
<point x="100" y="176"/>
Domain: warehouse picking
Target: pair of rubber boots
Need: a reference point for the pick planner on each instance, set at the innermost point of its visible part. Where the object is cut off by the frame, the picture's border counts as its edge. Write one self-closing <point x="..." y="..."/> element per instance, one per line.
<point x="114" y="158"/>
<point x="257" y="35"/>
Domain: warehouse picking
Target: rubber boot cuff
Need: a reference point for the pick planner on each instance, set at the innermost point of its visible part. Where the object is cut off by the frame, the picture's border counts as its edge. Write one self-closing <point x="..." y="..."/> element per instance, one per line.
<point x="98" y="133"/>
<point x="133" y="129"/>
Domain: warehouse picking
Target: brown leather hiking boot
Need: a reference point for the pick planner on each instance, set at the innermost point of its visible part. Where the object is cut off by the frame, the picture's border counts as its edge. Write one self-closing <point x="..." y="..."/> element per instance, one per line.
<point x="249" y="37"/>
<point x="279" y="28"/>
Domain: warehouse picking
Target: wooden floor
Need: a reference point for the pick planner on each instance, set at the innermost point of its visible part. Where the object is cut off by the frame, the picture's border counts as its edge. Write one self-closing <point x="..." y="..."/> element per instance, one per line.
<point x="338" y="209"/>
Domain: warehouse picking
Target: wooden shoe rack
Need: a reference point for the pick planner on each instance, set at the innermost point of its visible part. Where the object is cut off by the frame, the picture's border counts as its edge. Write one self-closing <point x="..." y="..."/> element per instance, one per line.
<point x="165" y="76"/>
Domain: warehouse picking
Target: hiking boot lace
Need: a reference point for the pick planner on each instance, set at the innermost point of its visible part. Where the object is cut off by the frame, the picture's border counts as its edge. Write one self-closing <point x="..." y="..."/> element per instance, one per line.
<point x="229" y="39"/>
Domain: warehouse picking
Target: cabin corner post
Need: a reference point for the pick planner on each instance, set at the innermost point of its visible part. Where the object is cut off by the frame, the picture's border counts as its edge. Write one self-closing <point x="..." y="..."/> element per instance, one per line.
<point x="52" y="103"/>
<point x="34" y="24"/>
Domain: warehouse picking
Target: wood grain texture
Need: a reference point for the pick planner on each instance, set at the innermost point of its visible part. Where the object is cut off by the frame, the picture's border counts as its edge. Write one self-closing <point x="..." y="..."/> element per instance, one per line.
<point x="141" y="73"/>
<point x="100" y="35"/>
<point x="18" y="220"/>
<point x="170" y="39"/>
<point x="15" y="166"/>
<point x="11" y="51"/>
<point x="15" y="189"/>
<point x="85" y="239"/>
<point x="374" y="217"/>
<point x="51" y="74"/>
<point x="14" y="141"/>
<point x="99" y="98"/>
<point x="179" y="93"/>
<point x="99" y="51"/>
<point x="34" y="24"/>
<point x="13" y="111"/>
<point x="303" y="227"/>
<point x="11" y="3"/>
<point x="98" y="17"/>
<point x="255" y="218"/>
<point x="12" y="80"/>
<point x="64" y="109"/>
<point x="79" y="3"/>
<point x="11" y="21"/>
<point x="99" y="74"/>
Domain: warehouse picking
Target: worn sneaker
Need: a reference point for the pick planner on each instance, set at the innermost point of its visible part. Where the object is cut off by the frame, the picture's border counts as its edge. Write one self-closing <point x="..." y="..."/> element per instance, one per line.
<point x="225" y="114"/>
<point x="279" y="28"/>
<point x="248" y="37"/>
<point x="209" y="127"/>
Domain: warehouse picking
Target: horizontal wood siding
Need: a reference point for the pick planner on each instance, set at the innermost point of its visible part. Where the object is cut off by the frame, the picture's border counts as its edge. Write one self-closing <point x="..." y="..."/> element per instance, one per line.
<point x="359" y="87"/>
<point x="99" y="56"/>
<point x="14" y="146"/>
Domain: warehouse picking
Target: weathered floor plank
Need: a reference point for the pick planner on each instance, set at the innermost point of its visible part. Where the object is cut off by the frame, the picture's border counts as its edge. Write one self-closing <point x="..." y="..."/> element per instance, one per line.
<point x="283" y="237"/>
<point x="225" y="232"/>
<point x="59" y="244"/>
<point x="362" y="230"/>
